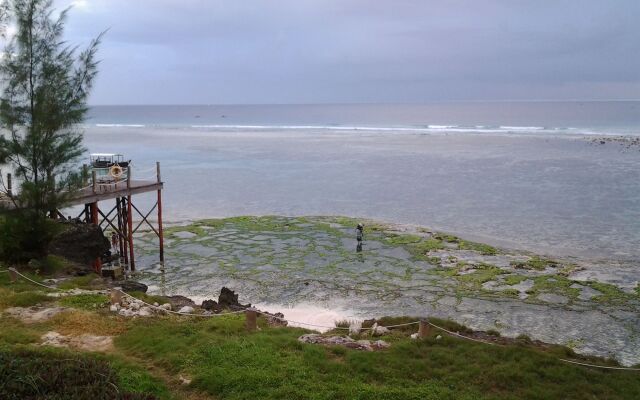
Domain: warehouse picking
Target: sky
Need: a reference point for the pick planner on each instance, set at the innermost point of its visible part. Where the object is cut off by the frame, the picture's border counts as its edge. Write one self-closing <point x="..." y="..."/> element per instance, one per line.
<point x="356" y="51"/>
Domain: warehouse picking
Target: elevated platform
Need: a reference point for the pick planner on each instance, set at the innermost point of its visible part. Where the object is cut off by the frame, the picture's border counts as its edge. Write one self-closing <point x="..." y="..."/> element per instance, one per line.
<point x="108" y="191"/>
<point x="105" y="191"/>
<point x="118" y="221"/>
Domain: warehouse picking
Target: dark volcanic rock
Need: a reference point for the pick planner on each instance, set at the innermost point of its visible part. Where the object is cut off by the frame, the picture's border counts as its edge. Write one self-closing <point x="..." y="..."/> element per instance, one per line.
<point x="80" y="243"/>
<point x="180" y="301"/>
<point x="131" y="286"/>
<point x="229" y="299"/>
<point x="211" y="305"/>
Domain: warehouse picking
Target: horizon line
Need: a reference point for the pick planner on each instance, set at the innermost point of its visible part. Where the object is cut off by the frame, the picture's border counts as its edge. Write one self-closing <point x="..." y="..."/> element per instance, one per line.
<point x="368" y="103"/>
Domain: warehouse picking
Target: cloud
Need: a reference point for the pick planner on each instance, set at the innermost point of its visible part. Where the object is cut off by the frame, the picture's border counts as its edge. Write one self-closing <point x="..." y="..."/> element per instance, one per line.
<point x="291" y="51"/>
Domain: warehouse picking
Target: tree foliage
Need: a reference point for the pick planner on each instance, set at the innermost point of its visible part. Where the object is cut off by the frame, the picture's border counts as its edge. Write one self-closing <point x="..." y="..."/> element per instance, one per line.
<point x="45" y="82"/>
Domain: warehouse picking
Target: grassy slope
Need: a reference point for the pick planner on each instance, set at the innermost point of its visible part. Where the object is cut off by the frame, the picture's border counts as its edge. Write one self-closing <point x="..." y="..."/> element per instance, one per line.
<point x="226" y="362"/>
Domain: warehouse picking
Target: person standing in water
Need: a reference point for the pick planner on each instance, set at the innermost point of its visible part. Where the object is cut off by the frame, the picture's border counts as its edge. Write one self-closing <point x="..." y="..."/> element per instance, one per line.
<point x="359" y="233"/>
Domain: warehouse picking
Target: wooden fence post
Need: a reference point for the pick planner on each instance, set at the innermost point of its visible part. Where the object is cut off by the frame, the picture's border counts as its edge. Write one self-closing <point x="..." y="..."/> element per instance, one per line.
<point x="94" y="180"/>
<point x="252" y="320"/>
<point x="424" y="328"/>
<point x="115" y="296"/>
<point x="12" y="275"/>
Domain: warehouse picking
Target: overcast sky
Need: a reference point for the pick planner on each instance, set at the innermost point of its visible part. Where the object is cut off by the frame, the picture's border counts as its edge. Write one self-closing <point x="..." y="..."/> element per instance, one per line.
<point x="343" y="51"/>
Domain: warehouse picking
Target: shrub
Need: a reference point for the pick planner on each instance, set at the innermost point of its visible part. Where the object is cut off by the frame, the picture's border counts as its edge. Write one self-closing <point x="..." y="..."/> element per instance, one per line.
<point x="85" y="301"/>
<point x="27" y="374"/>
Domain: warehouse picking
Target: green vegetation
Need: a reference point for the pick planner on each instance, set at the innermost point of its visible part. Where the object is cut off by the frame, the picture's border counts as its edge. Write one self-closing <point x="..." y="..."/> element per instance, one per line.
<point x="147" y="298"/>
<point x="395" y="239"/>
<point x="229" y="363"/>
<point x="535" y="262"/>
<point x="49" y="264"/>
<point x="23" y="299"/>
<point x="447" y="238"/>
<point x="89" y="281"/>
<point x="85" y="301"/>
<point x="611" y="294"/>
<point x="224" y="361"/>
<point x="45" y="86"/>
<point x="514" y="279"/>
<point x="553" y="284"/>
<point x="266" y="223"/>
<point x="56" y="374"/>
<point x="482" y="248"/>
<point x="481" y="274"/>
<point x="195" y="228"/>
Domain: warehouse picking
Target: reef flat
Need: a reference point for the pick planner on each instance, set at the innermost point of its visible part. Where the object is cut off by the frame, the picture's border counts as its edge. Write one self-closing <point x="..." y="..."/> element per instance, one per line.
<point x="591" y="307"/>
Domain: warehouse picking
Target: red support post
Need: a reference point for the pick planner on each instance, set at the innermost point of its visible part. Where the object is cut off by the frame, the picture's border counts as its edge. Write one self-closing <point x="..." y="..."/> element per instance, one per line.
<point x="97" y="265"/>
<point x="160" y="233"/>
<point x="125" y="230"/>
<point x="132" y="261"/>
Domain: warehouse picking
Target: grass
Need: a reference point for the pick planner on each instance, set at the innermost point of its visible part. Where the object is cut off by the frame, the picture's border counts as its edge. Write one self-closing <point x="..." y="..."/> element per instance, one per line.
<point x="89" y="281"/>
<point x="59" y="374"/>
<point x="78" y="322"/>
<point x="85" y="301"/>
<point x="22" y="299"/>
<point x="226" y="362"/>
<point x="147" y="298"/>
<point x="14" y="333"/>
<point x="49" y="265"/>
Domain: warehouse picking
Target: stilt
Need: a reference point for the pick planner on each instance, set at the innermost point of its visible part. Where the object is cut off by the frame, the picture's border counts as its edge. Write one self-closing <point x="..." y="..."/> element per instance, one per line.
<point x="132" y="261"/>
<point x="97" y="265"/>
<point x="125" y="231"/>
<point x="122" y="192"/>
<point x="160" y="233"/>
<point x="120" y="238"/>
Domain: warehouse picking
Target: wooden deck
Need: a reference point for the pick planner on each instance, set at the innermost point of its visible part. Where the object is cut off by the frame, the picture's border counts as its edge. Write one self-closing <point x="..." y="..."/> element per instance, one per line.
<point x="103" y="192"/>
<point x="114" y="190"/>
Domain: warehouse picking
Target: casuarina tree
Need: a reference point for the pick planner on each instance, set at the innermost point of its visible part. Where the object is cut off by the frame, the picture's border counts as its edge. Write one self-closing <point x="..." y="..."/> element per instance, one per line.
<point x="45" y="85"/>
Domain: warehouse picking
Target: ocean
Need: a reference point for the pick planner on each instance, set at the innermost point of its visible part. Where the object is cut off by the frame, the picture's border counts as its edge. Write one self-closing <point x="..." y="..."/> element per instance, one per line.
<point x="590" y="117"/>
<point x="529" y="175"/>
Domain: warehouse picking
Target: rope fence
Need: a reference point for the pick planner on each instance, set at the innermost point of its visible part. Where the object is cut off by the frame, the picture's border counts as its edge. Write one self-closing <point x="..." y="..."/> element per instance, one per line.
<point x="251" y="322"/>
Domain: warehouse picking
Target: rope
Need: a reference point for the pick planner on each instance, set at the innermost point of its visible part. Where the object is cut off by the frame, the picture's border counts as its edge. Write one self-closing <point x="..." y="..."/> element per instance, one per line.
<point x="179" y="313"/>
<point x="332" y="327"/>
<point x="128" y="295"/>
<point x="599" y="366"/>
<point x="459" y="335"/>
<point x="32" y="281"/>
<point x="318" y="326"/>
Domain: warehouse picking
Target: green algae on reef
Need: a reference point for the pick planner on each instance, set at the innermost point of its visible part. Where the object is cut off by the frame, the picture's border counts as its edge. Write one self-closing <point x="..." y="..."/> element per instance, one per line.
<point x="399" y="270"/>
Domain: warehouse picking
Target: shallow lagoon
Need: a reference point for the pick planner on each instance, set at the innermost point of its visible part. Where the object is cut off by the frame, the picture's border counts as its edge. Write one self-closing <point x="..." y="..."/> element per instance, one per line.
<point x="560" y="195"/>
